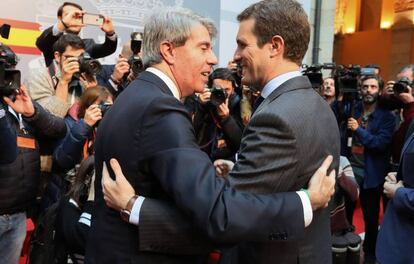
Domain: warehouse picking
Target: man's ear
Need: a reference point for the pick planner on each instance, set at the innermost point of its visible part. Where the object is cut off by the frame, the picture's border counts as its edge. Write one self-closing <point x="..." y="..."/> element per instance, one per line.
<point x="57" y="56"/>
<point x="277" y="46"/>
<point x="167" y="52"/>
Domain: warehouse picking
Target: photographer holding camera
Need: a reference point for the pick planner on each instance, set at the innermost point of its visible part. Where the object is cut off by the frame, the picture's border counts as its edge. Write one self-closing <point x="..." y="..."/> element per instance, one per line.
<point x="57" y="87"/>
<point x="33" y="129"/>
<point x="70" y="20"/>
<point x="82" y="121"/>
<point x="217" y="121"/>
<point x="399" y="96"/>
<point x="129" y="64"/>
<point x="372" y="128"/>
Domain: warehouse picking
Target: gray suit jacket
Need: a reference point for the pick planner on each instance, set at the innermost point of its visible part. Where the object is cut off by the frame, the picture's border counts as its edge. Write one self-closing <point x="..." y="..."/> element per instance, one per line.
<point x="286" y="140"/>
<point x="288" y="137"/>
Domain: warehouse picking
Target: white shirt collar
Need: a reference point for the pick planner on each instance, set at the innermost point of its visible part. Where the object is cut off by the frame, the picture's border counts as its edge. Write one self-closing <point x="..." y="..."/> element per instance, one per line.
<point x="274" y="83"/>
<point x="167" y="80"/>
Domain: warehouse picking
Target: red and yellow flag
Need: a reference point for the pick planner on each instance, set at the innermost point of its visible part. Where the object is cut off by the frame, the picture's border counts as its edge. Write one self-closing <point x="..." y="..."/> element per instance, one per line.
<point x="23" y="35"/>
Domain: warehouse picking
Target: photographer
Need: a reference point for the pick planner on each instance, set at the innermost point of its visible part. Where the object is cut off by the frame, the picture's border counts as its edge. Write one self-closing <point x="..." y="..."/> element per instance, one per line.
<point x="217" y="121"/>
<point x="400" y="96"/>
<point x="81" y="123"/>
<point x="35" y="129"/>
<point x="75" y="211"/>
<point x="369" y="155"/>
<point x="117" y="77"/>
<point x="69" y="17"/>
<point x="57" y="87"/>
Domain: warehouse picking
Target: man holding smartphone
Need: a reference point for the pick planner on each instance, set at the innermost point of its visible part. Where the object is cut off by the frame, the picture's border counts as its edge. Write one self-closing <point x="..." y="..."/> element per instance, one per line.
<point x="70" y="20"/>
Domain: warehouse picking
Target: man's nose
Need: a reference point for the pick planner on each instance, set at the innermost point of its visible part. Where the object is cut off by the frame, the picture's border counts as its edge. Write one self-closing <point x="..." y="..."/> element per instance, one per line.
<point x="212" y="59"/>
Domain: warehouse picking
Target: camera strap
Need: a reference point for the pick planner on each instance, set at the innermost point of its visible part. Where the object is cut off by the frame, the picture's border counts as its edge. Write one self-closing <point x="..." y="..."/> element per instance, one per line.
<point x="52" y="73"/>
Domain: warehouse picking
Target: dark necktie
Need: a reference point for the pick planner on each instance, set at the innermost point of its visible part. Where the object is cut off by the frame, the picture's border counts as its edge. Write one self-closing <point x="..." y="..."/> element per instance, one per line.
<point x="256" y="103"/>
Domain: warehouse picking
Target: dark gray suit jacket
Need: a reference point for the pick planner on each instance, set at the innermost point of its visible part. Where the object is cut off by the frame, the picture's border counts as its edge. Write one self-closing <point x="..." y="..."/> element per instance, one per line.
<point x="287" y="139"/>
<point x="151" y="135"/>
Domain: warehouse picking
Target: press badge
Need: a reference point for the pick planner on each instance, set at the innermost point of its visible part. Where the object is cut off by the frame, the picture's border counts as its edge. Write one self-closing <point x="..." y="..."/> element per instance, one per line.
<point x="26" y="142"/>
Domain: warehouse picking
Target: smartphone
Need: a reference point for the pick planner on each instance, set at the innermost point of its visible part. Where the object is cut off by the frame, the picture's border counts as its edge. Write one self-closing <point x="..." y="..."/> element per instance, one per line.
<point x="92" y="19"/>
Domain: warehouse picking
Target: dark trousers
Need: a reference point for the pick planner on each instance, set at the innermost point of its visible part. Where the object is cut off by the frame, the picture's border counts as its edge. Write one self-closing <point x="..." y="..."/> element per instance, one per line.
<point x="370" y="204"/>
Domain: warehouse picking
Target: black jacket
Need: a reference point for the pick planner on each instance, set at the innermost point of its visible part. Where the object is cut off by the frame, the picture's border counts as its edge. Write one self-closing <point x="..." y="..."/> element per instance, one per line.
<point x="46" y="40"/>
<point x="19" y="180"/>
<point x="8" y="146"/>
<point x="219" y="138"/>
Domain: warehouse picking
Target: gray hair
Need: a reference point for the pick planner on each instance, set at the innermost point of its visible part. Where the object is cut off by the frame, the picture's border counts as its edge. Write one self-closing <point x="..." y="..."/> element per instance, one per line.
<point x="173" y="25"/>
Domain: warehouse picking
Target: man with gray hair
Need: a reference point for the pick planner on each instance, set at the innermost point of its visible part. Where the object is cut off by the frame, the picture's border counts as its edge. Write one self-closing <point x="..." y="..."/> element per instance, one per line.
<point x="149" y="132"/>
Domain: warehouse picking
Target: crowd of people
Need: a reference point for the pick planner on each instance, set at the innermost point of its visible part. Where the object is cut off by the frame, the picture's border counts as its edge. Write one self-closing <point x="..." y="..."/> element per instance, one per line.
<point x="162" y="157"/>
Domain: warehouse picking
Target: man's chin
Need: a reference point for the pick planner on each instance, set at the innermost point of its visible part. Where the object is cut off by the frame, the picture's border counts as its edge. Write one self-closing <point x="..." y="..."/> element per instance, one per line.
<point x="73" y="31"/>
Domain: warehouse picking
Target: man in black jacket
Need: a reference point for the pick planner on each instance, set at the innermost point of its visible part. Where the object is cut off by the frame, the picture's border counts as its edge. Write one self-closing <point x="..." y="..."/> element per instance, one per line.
<point x="218" y="127"/>
<point x="20" y="179"/>
<point x="70" y="21"/>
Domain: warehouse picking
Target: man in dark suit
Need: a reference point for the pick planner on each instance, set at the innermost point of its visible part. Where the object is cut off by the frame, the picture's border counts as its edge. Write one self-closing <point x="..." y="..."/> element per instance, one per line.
<point x="70" y="21"/>
<point x="396" y="235"/>
<point x="149" y="131"/>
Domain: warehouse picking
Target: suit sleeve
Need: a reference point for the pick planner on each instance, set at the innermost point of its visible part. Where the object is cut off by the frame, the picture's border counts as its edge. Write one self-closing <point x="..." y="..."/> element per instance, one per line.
<point x="404" y="201"/>
<point x="45" y="44"/>
<point x="264" y="136"/>
<point x="382" y="138"/>
<point x="104" y="49"/>
<point x="188" y="176"/>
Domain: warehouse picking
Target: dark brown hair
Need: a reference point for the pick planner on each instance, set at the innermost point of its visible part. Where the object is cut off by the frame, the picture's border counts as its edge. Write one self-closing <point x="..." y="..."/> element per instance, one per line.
<point x="60" y="9"/>
<point x="284" y="18"/>
<point x="375" y="77"/>
<point x="90" y="96"/>
<point x="81" y="182"/>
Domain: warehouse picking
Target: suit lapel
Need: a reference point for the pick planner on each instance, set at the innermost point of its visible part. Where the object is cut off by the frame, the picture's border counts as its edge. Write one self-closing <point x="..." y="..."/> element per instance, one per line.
<point x="296" y="83"/>
<point x="154" y="79"/>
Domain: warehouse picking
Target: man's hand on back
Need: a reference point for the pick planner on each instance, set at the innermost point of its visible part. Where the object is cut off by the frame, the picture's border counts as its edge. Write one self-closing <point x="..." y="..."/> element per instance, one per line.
<point x="322" y="187"/>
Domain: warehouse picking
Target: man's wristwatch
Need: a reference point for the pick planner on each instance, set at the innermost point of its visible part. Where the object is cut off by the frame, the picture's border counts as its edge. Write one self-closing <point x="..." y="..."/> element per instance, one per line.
<point x="126" y="212"/>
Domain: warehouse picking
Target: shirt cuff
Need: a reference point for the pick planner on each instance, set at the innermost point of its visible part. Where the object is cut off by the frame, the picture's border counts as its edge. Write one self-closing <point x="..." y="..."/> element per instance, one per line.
<point x="307" y="208"/>
<point x="113" y="37"/>
<point x="136" y="209"/>
<point x="55" y="30"/>
<point x="115" y="86"/>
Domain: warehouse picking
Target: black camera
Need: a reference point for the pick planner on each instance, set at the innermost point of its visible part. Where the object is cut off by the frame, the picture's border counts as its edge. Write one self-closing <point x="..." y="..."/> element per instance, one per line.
<point x="88" y="65"/>
<point x="9" y="77"/>
<point x="104" y="107"/>
<point x="218" y="96"/>
<point x="401" y="85"/>
<point x="314" y="73"/>
<point x="135" y="61"/>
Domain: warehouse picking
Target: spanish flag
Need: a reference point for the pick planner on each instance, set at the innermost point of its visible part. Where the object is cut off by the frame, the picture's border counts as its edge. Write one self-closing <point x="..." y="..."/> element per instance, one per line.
<point x="23" y="35"/>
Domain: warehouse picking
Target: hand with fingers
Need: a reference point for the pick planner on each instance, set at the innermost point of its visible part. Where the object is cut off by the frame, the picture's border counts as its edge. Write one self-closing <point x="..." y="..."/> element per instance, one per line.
<point x="72" y="21"/>
<point x="223" y="109"/>
<point x="322" y="187"/>
<point x="69" y="67"/>
<point x="121" y="68"/>
<point x="391" y="185"/>
<point x="92" y="115"/>
<point x="223" y="167"/>
<point x="23" y="104"/>
<point x="116" y="192"/>
<point x="108" y="26"/>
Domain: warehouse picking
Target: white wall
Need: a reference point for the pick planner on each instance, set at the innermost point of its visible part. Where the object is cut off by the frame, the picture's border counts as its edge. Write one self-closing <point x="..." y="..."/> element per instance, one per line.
<point x="229" y="26"/>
